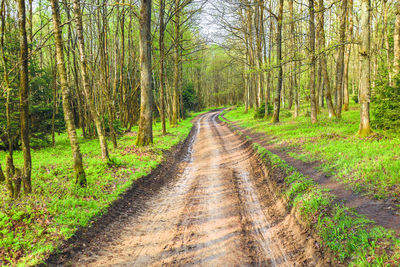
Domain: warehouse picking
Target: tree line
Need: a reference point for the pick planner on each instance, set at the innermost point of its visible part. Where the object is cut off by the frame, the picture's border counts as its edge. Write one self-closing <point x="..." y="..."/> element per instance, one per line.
<point x="93" y="68"/>
<point x="314" y="53"/>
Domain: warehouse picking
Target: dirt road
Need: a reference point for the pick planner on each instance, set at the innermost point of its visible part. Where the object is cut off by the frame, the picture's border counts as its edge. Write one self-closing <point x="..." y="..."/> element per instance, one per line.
<point x="212" y="213"/>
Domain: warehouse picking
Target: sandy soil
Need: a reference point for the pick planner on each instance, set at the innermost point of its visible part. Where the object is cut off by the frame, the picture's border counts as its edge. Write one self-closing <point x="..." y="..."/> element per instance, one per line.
<point x="215" y="210"/>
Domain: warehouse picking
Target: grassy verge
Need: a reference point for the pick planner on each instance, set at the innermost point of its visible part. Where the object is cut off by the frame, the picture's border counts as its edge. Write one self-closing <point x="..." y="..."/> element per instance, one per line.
<point x="351" y="238"/>
<point x="370" y="165"/>
<point x="33" y="226"/>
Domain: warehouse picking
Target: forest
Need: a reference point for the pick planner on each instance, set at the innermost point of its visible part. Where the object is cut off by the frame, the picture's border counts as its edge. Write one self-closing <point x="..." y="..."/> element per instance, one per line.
<point x="200" y="132"/>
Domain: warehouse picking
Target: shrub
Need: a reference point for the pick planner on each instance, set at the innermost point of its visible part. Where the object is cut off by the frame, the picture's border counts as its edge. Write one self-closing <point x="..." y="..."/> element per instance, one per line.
<point x="386" y="106"/>
<point x="260" y="112"/>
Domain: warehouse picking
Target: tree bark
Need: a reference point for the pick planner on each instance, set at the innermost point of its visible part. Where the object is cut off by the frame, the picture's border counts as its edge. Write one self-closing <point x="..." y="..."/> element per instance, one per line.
<point x="80" y="176"/>
<point x="313" y="100"/>
<point x="277" y="96"/>
<point x="145" y="134"/>
<point x="396" y="38"/>
<point x="86" y="84"/>
<point x="340" y="60"/>
<point x="24" y="97"/>
<point x="162" y="66"/>
<point x="175" y="94"/>
<point x="346" y="99"/>
<point x="324" y="67"/>
<point x="365" y="90"/>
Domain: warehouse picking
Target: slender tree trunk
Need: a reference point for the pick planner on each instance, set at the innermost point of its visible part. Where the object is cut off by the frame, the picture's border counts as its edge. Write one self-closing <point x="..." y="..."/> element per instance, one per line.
<point x="53" y="117"/>
<point x="324" y="67"/>
<point x="340" y="61"/>
<point x="145" y="135"/>
<point x="175" y="94"/>
<point x="24" y="98"/>
<point x="365" y="90"/>
<point x="86" y="83"/>
<point x="346" y="99"/>
<point x="396" y="38"/>
<point x="162" y="66"/>
<point x="313" y="100"/>
<point x="277" y="96"/>
<point x="80" y="176"/>
<point x="386" y="39"/>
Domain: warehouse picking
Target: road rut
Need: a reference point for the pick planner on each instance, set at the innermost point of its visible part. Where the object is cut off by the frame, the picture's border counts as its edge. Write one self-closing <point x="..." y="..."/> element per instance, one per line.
<point x="210" y="214"/>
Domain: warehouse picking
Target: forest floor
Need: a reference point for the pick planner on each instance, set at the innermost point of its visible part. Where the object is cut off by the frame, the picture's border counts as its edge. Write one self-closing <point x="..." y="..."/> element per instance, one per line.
<point x="33" y="226"/>
<point x="216" y="209"/>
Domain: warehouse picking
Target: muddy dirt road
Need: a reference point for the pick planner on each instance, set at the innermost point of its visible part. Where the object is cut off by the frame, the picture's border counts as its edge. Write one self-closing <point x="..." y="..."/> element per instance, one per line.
<point x="211" y="213"/>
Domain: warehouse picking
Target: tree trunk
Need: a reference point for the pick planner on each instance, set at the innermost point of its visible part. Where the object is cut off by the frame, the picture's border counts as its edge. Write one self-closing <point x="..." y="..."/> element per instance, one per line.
<point x="162" y="67"/>
<point x="396" y="38"/>
<point x="175" y="94"/>
<point x="313" y="100"/>
<point x="145" y="134"/>
<point x="346" y="99"/>
<point x="80" y="176"/>
<point x="2" y="177"/>
<point x="365" y="90"/>
<point x="324" y="67"/>
<point x="340" y="61"/>
<point x="24" y="98"/>
<point x="86" y="83"/>
<point x="277" y="96"/>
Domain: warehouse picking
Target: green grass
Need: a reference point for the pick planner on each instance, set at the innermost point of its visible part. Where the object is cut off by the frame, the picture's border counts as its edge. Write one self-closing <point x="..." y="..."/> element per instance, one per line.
<point x="352" y="239"/>
<point x="370" y="165"/>
<point x="33" y="226"/>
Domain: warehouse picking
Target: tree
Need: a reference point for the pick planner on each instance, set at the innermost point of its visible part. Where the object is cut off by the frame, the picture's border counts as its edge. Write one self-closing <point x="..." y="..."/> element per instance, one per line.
<point x="277" y="96"/>
<point x="311" y="48"/>
<point x="145" y="134"/>
<point x="340" y="60"/>
<point x="323" y="60"/>
<point x="396" y="38"/>
<point x="24" y="98"/>
<point x="176" y="41"/>
<point x="365" y="90"/>
<point x="86" y="83"/>
<point x="162" y="66"/>
<point x="80" y="176"/>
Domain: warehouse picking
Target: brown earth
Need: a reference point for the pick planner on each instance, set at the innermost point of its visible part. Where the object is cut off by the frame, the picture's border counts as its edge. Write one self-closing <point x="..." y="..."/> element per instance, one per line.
<point x="385" y="213"/>
<point x="211" y="205"/>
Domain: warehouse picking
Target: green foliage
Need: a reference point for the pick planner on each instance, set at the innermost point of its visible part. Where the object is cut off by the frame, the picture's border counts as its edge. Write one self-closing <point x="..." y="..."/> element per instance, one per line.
<point x="386" y="106"/>
<point x="260" y="112"/>
<point x="190" y="99"/>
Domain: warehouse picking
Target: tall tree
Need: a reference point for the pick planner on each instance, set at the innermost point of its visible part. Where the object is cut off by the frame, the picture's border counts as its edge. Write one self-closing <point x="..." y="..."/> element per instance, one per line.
<point x="311" y="48"/>
<point x="346" y="100"/>
<point x="162" y="65"/>
<point x="340" y="60"/>
<point x="323" y="59"/>
<point x="277" y="96"/>
<point x="396" y="38"/>
<point x="145" y="134"/>
<point x="177" y="46"/>
<point x="365" y="52"/>
<point x="24" y="97"/>
<point x="80" y="176"/>
<point x="86" y="83"/>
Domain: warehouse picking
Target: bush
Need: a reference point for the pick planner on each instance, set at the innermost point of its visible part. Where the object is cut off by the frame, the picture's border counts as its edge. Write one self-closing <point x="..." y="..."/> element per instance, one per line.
<point x="260" y="112"/>
<point x="386" y="106"/>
